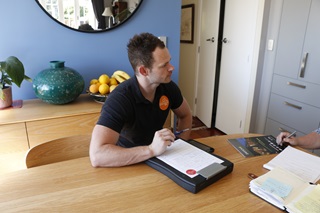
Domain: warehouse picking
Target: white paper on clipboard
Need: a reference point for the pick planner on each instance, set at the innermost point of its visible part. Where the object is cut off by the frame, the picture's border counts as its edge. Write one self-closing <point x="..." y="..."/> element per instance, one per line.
<point x="187" y="158"/>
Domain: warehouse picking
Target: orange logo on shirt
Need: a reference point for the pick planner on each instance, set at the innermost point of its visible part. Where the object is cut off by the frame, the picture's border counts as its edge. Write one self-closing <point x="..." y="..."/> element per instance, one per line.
<point x="164" y="102"/>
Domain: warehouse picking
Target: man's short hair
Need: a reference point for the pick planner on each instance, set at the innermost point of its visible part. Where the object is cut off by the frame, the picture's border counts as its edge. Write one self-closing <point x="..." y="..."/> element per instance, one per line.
<point x="140" y="48"/>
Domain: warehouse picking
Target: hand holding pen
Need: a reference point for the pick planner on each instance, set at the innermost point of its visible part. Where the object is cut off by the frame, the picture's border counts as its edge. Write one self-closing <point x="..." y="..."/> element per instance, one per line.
<point x="181" y="131"/>
<point x="284" y="138"/>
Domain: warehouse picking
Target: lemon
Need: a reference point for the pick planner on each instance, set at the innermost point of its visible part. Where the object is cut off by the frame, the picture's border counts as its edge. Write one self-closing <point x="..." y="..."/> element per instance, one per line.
<point x="94" y="81"/>
<point x="104" y="79"/>
<point x="113" y="81"/>
<point x="104" y="89"/>
<point x="112" y="87"/>
<point x="94" y="88"/>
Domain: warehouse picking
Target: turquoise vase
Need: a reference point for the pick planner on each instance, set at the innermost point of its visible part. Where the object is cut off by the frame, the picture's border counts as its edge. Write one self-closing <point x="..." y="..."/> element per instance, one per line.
<point x="58" y="84"/>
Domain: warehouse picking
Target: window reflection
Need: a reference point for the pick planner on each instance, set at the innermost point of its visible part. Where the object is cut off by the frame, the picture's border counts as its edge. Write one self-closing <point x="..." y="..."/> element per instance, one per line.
<point x="72" y="13"/>
<point x="87" y="14"/>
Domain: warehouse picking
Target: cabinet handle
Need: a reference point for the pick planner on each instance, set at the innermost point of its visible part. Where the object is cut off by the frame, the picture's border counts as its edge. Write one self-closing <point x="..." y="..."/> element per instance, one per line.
<point x="293" y="105"/>
<point x="303" y="65"/>
<point x="296" y="85"/>
<point x="282" y="129"/>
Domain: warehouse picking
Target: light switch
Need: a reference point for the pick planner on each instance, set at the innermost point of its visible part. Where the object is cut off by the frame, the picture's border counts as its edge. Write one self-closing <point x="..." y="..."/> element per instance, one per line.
<point x="270" y="44"/>
<point x="163" y="39"/>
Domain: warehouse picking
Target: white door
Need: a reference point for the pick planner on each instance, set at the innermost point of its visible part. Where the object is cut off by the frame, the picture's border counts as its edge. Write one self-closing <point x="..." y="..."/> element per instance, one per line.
<point x="242" y="31"/>
<point x="207" y="59"/>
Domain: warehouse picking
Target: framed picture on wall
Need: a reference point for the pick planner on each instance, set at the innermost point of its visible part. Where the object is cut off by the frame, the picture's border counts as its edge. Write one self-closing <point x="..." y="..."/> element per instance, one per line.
<point x="187" y="23"/>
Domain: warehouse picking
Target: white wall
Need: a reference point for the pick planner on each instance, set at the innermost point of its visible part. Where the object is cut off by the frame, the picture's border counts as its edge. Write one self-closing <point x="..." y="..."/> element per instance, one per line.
<point x="262" y="98"/>
<point x="188" y="60"/>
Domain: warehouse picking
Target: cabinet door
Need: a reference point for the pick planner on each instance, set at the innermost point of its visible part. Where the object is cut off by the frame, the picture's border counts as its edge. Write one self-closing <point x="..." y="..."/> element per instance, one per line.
<point x="293" y="25"/>
<point x="13" y="147"/>
<point x="312" y="46"/>
<point x="49" y="129"/>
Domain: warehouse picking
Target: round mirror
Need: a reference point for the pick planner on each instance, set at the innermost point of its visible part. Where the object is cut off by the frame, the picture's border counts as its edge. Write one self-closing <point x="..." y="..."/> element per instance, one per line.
<point x="90" y="15"/>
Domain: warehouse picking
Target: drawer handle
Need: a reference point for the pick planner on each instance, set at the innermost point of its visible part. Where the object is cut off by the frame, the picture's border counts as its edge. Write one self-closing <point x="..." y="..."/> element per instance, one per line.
<point x="282" y="129"/>
<point x="292" y="105"/>
<point x="303" y="65"/>
<point x="296" y="85"/>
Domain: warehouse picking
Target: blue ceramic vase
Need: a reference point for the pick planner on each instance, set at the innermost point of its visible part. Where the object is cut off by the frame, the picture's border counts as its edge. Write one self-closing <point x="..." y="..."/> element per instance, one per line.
<point x="58" y="84"/>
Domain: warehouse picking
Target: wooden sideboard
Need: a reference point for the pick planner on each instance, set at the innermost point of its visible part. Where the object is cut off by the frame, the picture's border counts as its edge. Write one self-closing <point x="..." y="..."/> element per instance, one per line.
<point x="37" y="122"/>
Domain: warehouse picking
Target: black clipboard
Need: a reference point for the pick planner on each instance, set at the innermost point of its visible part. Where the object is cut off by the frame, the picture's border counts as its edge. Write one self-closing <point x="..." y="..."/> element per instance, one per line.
<point x="208" y="176"/>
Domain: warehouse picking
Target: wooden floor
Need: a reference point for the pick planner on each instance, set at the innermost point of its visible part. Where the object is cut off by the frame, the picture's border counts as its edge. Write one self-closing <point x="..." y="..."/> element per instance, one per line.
<point x="199" y="130"/>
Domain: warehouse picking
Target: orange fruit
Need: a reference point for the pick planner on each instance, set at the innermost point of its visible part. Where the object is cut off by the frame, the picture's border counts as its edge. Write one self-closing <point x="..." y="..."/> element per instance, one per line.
<point x="94" y="81"/>
<point x="104" y="79"/>
<point x="94" y="88"/>
<point x="104" y="89"/>
<point x="113" y="81"/>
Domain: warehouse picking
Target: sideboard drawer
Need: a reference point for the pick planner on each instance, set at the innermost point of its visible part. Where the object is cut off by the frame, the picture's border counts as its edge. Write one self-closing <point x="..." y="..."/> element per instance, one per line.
<point x="13" y="147"/>
<point x="297" y="115"/>
<point x="45" y="130"/>
<point x="13" y="138"/>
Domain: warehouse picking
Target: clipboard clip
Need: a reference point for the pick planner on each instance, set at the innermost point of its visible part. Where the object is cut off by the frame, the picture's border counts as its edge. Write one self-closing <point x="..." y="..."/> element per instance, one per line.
<point x="211" y="170"/>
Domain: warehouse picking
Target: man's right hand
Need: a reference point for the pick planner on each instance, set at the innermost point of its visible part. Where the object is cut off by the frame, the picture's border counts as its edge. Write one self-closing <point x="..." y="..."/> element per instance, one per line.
<point x="283" y="137"/>
<point x="161" y="140"/>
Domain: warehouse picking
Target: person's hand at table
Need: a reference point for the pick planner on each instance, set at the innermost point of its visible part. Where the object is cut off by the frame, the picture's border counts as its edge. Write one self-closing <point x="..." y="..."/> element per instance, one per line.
<point x="162" y="139"/>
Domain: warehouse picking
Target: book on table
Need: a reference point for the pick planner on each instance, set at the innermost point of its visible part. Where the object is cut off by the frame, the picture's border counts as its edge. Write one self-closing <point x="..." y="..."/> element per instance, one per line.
<point x="291" y="182"/>
<point x="256" y="145"/>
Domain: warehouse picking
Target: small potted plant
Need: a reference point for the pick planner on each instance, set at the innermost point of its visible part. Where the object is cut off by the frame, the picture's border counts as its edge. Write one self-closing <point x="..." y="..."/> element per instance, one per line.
<point x="11" y="71"/>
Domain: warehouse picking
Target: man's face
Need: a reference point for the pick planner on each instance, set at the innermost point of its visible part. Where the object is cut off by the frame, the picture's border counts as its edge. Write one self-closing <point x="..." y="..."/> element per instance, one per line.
<point x="161" y="70"/>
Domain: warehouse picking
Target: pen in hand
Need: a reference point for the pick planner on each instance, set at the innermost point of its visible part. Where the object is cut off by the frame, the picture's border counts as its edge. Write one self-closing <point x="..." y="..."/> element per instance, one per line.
<point x="181" y="131"/>
<point x="292" y="134"/>
<point x="285" y="144"/>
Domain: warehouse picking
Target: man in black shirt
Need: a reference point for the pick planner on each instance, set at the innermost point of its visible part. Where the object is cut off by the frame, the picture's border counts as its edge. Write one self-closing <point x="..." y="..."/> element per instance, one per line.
<point x="130" y="127"/>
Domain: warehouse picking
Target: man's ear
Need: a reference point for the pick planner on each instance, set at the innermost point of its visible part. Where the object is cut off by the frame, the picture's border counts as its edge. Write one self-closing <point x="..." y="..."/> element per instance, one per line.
<point x="143" y="70"/>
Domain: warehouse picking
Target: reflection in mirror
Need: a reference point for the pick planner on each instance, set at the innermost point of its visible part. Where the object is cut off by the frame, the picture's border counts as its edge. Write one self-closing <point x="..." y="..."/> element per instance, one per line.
<point x="90" y="15"/>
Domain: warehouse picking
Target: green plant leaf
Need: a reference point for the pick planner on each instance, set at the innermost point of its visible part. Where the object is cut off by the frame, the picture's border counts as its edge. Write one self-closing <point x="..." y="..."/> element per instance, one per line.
<point x="15" y="70"/>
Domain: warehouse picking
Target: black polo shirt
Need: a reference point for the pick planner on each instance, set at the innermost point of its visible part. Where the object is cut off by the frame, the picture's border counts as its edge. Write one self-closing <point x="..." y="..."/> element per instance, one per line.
<point x="137" y="119"/>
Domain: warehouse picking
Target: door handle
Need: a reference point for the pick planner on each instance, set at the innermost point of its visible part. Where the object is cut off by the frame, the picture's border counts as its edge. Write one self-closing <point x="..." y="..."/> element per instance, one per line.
<point x="225" y="40"/>
<point x="210" y="39"/>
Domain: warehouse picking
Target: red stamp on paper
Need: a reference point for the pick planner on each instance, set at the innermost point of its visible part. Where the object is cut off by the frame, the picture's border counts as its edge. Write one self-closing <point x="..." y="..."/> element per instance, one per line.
<point x="191" y="172"/>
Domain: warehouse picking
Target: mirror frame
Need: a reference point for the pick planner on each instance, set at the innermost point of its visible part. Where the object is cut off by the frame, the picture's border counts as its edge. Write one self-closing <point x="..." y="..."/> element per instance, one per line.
<point x="90" y="31"/>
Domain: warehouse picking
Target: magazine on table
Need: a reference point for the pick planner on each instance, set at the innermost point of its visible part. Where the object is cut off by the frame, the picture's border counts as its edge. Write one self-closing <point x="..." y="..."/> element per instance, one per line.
<point x="256" y="145"/>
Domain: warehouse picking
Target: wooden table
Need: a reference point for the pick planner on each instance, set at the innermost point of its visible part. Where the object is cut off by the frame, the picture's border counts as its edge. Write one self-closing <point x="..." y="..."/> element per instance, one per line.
<point x="75" y="186"/>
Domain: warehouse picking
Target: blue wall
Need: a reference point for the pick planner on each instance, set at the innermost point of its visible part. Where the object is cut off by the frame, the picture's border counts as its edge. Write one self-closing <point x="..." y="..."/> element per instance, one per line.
<point x="28" y="33"/>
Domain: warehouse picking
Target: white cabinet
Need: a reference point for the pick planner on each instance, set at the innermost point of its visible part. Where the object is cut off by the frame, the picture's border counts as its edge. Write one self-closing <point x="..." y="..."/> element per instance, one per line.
<point x="294" y="101"/>
<point x="298" y="43"/>
<point x="293" y="25"/>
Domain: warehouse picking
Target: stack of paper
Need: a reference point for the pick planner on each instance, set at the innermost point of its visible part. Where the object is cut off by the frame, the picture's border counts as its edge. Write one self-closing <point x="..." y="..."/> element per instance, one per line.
<point x="290" y="183"/>
<point x="303" y="164"/>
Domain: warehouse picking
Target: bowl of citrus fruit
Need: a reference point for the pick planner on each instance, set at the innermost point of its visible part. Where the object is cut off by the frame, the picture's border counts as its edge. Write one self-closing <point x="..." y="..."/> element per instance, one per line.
<point x="100" y="87"/>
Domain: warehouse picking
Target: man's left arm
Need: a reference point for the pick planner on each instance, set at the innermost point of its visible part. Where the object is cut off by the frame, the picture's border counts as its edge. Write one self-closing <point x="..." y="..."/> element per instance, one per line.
<point x="184" y="119"/>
